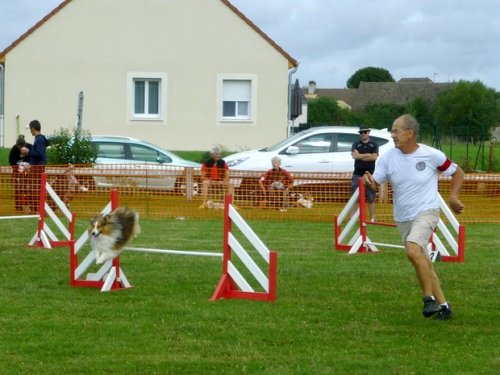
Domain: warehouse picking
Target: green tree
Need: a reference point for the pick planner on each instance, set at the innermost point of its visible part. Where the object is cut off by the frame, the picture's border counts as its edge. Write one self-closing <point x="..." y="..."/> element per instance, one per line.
<point x="369" y="74"/>
<point x="70" y="147"/>
<point x="323" y="111"/>
<point x="468" y="110"/>
<point x="381" y="115"/>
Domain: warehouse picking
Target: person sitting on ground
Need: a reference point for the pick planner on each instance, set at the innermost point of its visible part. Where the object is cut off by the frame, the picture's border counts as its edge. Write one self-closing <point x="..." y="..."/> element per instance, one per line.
<point x="215" y="172"/>
<point x="275" y="183"/>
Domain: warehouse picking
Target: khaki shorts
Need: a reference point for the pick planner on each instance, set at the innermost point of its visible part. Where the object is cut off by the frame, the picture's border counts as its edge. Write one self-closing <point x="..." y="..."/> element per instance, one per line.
<point x="419" y="230"/>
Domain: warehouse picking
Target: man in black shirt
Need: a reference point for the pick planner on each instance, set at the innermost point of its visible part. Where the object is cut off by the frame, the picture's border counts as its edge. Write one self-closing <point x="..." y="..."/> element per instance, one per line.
<point x="38" y="158"/>
<point x="365" y="153"/>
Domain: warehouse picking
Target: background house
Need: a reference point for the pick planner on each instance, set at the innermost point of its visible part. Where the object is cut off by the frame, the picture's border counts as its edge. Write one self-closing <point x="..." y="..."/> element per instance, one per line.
<point x="344" y="97"/>
<point x="183" y="74"/>
<point x="402" y="92"/>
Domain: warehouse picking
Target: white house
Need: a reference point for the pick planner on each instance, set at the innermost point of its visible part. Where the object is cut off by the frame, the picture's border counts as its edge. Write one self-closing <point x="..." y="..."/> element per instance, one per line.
<point x="183" y="74"/>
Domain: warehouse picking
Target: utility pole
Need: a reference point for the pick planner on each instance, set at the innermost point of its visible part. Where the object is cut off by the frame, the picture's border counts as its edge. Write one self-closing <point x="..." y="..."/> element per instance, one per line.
<point x="79" y="114"/>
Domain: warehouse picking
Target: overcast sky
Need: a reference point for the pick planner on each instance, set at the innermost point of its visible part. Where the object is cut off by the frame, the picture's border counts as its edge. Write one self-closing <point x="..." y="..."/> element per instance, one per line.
<point x="445" y="40"/>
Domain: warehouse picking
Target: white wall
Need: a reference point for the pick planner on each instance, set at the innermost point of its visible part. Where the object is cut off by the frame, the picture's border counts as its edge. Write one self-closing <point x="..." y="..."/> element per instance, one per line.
<point x="92" y="45"/>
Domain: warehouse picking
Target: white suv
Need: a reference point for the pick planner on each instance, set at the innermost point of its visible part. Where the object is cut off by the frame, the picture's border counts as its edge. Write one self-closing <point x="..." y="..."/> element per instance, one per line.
<point x="319" y="149"/>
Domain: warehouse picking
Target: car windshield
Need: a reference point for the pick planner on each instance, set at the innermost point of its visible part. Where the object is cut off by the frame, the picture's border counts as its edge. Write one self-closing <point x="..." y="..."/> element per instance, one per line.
<point x="279" y="145"/>
<point x="141" y="153"/>
<point x="162" y="150"/>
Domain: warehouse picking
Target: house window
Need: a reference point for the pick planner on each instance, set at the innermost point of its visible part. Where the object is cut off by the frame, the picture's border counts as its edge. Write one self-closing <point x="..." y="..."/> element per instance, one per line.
<point x="236" y="99"/>
<point x="146" y="95"/>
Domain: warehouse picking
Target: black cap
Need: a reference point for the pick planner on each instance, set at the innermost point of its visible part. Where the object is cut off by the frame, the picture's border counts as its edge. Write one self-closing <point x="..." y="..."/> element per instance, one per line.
<point x="363" y="128"/>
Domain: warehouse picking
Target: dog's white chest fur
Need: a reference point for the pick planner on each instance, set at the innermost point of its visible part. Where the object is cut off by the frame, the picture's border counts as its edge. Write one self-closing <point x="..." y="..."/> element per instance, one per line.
<point x="103" y="245"/>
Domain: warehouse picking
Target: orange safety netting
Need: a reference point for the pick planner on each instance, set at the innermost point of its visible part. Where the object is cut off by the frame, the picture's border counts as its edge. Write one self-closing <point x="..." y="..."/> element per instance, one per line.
<point x="162" y="191"/>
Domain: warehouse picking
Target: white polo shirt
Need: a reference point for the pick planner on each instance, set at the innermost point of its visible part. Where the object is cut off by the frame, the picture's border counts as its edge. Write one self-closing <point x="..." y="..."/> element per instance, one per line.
<point x="414" y="179"/>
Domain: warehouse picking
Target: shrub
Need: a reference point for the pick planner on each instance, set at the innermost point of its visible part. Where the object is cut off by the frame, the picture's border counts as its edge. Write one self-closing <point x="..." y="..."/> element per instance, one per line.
<point x="70" y="147"/>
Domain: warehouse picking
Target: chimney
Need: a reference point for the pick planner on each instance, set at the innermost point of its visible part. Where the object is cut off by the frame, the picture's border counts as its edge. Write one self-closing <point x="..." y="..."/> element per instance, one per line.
<point x="312" y="88"/>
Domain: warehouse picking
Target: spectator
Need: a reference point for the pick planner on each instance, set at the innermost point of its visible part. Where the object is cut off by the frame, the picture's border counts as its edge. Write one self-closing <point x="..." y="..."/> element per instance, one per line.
<point x="275" y="185"/>
<point x="37" y="158"/>
<point x="215" y="173"/>
<point x="412" y="169"/>
<point x="365" y="153"/>
<point x="19" y="164"/>
<point x="65" y="185"/>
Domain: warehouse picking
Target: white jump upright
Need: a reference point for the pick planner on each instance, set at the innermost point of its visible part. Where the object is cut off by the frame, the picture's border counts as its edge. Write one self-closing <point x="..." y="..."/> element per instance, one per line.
<point x="360" y="242"/>
<point x="45" y="236"/>
<point x="233" y="284"/>
<point x="110" y="276"/>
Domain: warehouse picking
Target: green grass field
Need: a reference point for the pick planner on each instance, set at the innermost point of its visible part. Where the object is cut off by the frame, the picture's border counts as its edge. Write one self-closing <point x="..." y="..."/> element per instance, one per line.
<point x="335" y="313"/>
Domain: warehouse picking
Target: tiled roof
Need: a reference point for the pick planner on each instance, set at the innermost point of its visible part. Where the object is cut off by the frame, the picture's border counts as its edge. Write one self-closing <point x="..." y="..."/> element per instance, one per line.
<point x="346" y="95"/>
<point x="402" y="92"/>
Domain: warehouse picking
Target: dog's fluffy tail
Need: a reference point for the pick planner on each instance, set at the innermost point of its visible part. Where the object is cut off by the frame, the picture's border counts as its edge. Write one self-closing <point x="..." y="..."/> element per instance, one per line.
<point x="129" y="222"/>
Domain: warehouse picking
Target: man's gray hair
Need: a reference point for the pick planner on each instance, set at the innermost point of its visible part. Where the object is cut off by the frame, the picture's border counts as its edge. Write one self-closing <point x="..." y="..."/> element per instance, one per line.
<point x="275" y="159"/>
<point x="411" y="123"/>
<point x="215" y="150"/>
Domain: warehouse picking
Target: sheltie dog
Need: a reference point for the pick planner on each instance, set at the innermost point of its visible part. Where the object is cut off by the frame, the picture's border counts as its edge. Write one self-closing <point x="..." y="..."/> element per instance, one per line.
<point x="110" y="233"/>
<point x="215" y="205"/>
<point x="302" y="200"/>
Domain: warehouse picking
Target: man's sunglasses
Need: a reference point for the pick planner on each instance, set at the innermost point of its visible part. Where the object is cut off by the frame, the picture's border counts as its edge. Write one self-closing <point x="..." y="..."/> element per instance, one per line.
<point x="364" y="131"/>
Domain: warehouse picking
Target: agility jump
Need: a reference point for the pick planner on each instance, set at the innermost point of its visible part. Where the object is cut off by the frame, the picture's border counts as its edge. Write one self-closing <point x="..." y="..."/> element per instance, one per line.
<point x="452" y="249"/>
<point x="110" y="276"/>
<point x="44" y="236"/>
<point x="232" y="283"/>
